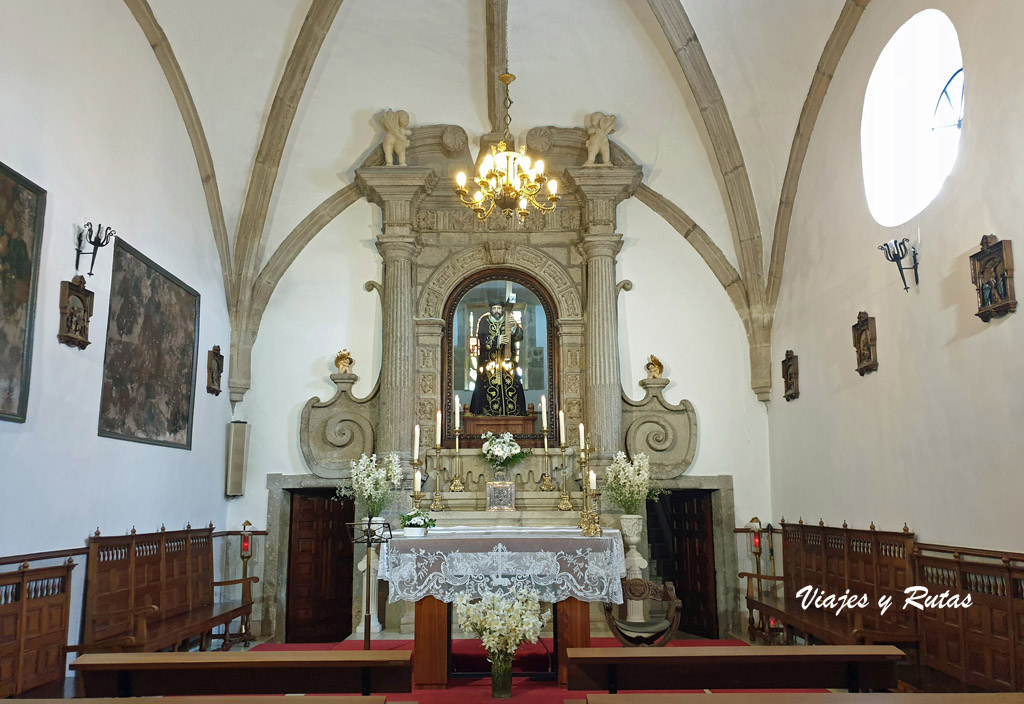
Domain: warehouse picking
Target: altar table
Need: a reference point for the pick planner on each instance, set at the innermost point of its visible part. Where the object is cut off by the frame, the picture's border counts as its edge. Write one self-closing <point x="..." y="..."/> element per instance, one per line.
<point x="564" y="567"/>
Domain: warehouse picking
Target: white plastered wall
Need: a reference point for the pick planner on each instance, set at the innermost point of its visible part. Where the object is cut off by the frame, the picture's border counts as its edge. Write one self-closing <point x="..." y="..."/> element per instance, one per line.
<point x="87" y="115"/>
<point x="679" y="312"/>
<point x="933" y="437"/>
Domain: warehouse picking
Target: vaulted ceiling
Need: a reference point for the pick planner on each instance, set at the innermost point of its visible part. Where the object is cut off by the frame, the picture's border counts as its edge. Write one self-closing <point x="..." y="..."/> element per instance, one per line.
<point x="715" y="98"/>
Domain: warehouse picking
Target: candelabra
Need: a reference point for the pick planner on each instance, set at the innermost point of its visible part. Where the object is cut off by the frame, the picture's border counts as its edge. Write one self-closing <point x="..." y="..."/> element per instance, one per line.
<point x="564" y="502"/>
<point x="435" y="504"/>
<point x="593" y="526"/>
<point x="416" y="494"/>
<point x="456" y="484"/>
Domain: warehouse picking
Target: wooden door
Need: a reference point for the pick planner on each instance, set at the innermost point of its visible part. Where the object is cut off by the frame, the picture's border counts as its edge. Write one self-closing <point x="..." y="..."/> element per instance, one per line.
<point x="319" y="599"/>
<point x="694" y="561"/>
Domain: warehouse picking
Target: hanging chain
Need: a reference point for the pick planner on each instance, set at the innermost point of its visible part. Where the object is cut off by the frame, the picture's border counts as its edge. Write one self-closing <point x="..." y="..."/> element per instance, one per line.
<point x="508" y="113"/>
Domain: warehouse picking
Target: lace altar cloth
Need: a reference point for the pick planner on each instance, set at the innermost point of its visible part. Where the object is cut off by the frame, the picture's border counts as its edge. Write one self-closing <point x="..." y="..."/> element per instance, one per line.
<point x="557" y="562"/>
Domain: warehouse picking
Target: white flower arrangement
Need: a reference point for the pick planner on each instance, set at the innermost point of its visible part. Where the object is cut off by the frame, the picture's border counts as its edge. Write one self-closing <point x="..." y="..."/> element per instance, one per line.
<point x="417" y="518"/>
<point x="628" y="484"/>
<point x="502" y="451"/>
<point x="503" y="621"/>
<point x="371" y="482"/>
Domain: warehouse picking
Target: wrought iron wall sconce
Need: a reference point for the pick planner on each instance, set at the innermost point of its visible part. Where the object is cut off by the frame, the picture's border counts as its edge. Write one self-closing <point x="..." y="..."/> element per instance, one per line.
<point x="98" y="238"/>
<point x="896" y="251"/>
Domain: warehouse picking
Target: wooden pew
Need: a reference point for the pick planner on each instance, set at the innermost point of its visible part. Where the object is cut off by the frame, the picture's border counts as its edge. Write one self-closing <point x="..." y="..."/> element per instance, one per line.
<point x="805" y="698"/>
<point x="199" y="673"/>
<point x="856" y="668"/>
<point x="339" y="699"/>
<point x="151" y="591"/>
<point x="872" y="562"/>
<point x="34" y="609"/>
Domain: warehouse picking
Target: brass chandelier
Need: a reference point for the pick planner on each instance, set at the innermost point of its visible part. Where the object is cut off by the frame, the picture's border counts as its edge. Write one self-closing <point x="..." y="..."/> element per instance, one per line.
<point x="507" y="179"/>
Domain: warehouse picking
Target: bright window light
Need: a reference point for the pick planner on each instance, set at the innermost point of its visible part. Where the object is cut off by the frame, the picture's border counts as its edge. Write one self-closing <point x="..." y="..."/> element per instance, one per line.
<point x="913" y="112"/>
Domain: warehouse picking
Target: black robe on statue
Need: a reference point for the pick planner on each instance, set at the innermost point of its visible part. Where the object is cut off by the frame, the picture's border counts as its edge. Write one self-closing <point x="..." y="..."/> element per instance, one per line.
<point x="499" y="387"/>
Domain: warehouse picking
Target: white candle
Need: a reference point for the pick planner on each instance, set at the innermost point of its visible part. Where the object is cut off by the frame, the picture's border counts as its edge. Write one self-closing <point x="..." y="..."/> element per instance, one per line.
<point x="544" y="412"/>
<point x="458" y="413"/>
<point x="437" y="430"/>
<point x="417" y="480"/>
<point x="416" y="443"/>
<point x="583" y="442"/>
<point x="561" y="427"/>
<point x="593" y="481"/>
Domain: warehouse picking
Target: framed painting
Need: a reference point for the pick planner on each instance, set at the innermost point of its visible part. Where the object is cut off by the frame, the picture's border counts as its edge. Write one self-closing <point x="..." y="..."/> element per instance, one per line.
<point x="22" y="207"/>
<point x="149" y="367"/>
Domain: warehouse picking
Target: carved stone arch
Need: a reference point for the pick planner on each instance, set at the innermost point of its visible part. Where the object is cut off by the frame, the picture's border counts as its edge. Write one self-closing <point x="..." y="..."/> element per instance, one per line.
<point x="539" y="265"/>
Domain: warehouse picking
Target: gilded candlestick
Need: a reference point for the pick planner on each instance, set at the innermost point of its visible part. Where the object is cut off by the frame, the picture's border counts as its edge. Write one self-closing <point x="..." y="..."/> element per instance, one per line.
<point x="564" y="502"/>
<point x="436" y="504"/>
<point x="545" y="480"/>
<point x="584" y="460"/>
<point x="593" y="527"/>
<point x="456" y="484"/>
<point x="416" y="494"/>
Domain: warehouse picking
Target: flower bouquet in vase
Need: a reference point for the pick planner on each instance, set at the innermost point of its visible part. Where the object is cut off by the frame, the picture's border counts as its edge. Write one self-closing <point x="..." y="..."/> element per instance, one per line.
<point x="628" y="485"/>
<point x="503" y="621"/>
<point x="416" y="522"/>
<point x="501" y="452"/>
<point x="371" y="482"/>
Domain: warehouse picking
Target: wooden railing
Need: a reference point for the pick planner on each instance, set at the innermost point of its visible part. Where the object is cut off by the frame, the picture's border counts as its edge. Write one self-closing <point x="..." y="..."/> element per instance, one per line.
<point x="983" y="645"/>
<point x="34" y="610"/>
<point x="35" y="605"/>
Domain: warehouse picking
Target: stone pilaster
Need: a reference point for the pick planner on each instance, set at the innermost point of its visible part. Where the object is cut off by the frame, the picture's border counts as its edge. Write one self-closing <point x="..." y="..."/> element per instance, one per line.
<point x="397" y="190"/>
<point x="600" y="189"/>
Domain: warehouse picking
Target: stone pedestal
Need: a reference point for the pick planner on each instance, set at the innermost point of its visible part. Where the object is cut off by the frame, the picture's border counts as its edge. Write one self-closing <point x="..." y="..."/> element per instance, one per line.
<point x="361" y="567"/>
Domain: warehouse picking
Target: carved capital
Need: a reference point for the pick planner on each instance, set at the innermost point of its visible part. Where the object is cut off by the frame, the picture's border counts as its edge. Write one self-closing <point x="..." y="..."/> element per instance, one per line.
<point x="396" y="191"/>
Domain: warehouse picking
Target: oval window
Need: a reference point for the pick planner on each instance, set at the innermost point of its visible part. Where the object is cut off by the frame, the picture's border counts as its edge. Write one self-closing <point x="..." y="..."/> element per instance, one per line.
<point x="913" y="113"/>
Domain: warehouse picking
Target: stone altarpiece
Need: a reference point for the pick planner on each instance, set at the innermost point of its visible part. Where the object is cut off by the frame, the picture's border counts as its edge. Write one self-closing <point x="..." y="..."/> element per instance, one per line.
<point x="430" y="245"/>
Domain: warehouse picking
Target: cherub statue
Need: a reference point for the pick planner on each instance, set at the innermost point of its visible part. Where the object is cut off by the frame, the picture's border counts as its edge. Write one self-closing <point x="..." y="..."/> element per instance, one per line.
<point x="344" y="362"/>
<point x="396" y="125"/>
<point x="599" y="126"/>
<point x="654" y="367"/>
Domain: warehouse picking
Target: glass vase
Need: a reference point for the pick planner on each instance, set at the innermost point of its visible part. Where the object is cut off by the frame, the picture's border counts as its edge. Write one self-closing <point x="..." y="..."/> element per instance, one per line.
<point x="501" y="676"/>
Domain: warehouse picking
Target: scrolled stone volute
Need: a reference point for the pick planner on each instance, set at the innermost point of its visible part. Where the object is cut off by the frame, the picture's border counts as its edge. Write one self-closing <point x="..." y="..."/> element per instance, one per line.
<point x="335" y="432"/>
<point x="665" y="432"/>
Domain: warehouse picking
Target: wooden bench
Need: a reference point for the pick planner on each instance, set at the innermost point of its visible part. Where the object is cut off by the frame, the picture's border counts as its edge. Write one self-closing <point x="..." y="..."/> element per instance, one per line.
<point x="870" y="562"/>
<point x="803" y="698"/>
<point x="856" y="668"/>
<point x="340" y="699"/>
<point x="34" y="609"/>
<point x="198" y="673"/>
<point x="153" y="591"/>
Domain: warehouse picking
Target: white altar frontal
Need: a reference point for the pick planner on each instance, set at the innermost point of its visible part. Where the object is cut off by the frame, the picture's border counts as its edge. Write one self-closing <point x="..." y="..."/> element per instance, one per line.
<point x="558" y="563"/>
<point x="569" y="570"/>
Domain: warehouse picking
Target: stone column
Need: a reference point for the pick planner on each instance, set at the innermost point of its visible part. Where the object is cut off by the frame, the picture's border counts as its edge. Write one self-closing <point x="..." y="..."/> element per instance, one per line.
<point x="600" y="188"/>
<point x="397" y="190"/>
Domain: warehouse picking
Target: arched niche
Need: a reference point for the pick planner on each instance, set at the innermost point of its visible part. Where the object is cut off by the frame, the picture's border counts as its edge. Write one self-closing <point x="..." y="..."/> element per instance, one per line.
<point x="541" y="339"/>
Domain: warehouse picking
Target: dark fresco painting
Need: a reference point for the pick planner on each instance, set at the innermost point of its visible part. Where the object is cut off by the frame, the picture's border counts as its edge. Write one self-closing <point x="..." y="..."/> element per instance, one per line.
<point x="149" y="368"/>
<point x="22" y="206"/>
